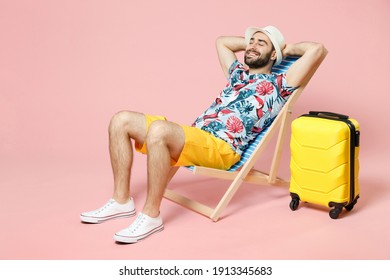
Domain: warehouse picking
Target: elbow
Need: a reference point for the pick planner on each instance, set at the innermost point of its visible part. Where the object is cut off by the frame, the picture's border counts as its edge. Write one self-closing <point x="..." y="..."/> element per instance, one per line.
<point x="321" y="50"/>
<point x="317" y="52"/>
<point x="220" y="41"/>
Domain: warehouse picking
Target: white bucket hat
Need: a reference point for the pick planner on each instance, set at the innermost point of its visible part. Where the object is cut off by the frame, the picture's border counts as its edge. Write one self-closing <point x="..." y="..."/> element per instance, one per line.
<point x="273" y="34"/>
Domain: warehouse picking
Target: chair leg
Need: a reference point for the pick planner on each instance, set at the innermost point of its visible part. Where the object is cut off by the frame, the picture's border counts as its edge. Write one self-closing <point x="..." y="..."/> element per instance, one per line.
<point x="225" y="199"/>
<point x="230" y="193"/>
<point x="189" y="203"/>
<point x="279" y="146"/>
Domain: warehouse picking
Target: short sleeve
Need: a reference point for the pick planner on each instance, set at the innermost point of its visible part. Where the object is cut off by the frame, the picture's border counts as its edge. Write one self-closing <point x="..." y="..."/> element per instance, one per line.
<point x="235" y="65"/>
<point x="285" y="89"/>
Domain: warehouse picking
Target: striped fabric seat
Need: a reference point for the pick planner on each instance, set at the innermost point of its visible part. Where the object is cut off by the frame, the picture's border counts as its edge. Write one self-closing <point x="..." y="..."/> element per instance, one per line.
<point x="281" y="68"/>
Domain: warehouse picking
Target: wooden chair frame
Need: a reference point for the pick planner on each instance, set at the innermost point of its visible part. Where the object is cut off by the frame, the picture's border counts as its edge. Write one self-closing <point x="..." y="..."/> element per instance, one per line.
<point x="247" y="173"/>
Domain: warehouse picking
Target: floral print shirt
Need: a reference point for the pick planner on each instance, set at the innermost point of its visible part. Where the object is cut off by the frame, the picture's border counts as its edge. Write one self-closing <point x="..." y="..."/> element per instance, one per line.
<point x="248" y="104"/>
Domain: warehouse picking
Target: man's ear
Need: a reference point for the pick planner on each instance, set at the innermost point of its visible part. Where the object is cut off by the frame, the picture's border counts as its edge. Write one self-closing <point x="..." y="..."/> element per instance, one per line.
<point x="273" y="55"/>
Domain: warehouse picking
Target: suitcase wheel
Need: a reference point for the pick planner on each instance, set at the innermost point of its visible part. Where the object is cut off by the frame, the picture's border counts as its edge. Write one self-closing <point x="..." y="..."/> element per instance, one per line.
<point x="294" y="204"/>
<point x="294" y="201"/>
<point x="349" y="207"/>
<point x="335" y="212"/>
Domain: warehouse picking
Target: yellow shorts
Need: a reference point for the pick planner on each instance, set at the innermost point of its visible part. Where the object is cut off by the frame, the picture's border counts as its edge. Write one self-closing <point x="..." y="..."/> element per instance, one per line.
<point x="201" y="148"/>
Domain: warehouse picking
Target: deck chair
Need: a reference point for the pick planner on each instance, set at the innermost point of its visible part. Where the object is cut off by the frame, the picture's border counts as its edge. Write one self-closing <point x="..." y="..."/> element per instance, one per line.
<point x="244" y="169"/>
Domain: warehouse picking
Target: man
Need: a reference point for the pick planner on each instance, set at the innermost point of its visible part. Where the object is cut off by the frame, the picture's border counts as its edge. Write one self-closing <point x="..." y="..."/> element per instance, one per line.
<point x="217" y="138"/>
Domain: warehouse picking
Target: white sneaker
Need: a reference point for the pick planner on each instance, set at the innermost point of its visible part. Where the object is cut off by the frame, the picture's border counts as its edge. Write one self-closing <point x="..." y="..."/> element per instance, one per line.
<point x="108" y="211"/>
<point x="141" y="228"/>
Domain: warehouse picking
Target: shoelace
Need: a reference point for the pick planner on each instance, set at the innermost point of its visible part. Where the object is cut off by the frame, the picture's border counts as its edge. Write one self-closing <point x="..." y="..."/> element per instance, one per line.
<point x="109" y="203"/>
<point x="134" y="226"/>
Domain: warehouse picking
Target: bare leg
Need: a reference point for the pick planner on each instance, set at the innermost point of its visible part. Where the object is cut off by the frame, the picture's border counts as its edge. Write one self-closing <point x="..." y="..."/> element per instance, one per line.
<point x="124" y="126"/>
<point x="165" y="141"/>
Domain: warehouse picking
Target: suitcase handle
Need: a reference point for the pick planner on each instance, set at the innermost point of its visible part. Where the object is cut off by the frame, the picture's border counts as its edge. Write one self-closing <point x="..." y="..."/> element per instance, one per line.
<point x="329" y="114"/>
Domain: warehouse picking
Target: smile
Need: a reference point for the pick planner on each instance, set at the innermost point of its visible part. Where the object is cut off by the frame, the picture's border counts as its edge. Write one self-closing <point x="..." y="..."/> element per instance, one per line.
<point x="252" y="53"/>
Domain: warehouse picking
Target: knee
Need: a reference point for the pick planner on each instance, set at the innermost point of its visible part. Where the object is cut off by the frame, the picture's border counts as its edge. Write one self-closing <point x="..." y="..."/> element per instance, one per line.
<point x="157" y="133"/>
<point x="120" y="121"/>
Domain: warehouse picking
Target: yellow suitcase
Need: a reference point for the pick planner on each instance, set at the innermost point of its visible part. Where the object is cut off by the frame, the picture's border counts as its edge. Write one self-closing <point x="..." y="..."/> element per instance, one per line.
<point x="325" y="161"/>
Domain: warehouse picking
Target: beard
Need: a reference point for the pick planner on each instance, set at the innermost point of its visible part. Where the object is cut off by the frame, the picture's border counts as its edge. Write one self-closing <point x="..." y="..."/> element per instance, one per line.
<point x="258" y="61"/>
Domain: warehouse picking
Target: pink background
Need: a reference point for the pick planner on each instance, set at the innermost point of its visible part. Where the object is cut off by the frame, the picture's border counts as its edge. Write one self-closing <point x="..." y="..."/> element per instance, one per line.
<point x="67" y="66"/>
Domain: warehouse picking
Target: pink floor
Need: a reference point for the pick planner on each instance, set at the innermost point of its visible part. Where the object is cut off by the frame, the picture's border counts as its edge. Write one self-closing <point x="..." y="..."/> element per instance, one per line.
<point x="41" y="202"/>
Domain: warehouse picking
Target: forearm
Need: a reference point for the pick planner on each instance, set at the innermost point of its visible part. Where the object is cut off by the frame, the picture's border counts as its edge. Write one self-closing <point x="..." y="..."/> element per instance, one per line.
<point x="311" y="55"/>
<point x="226" y="49"/>
<point x="304" y="48"/>
<point x="231" y="43"/>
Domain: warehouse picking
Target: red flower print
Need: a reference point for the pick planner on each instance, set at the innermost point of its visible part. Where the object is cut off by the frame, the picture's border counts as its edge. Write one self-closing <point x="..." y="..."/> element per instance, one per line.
<point x="260" y="113"/>
<point x="238" y="87"/>
<point x="285" y="93"/>
<point x="260" y="101"/>
<point x="226" y="111"/>
<point x="234" y="125"/>
<point x="265" y="88"/>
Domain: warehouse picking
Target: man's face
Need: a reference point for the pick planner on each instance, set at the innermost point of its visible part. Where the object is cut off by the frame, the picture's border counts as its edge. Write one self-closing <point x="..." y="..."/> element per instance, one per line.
<point x="259" y="51"/>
